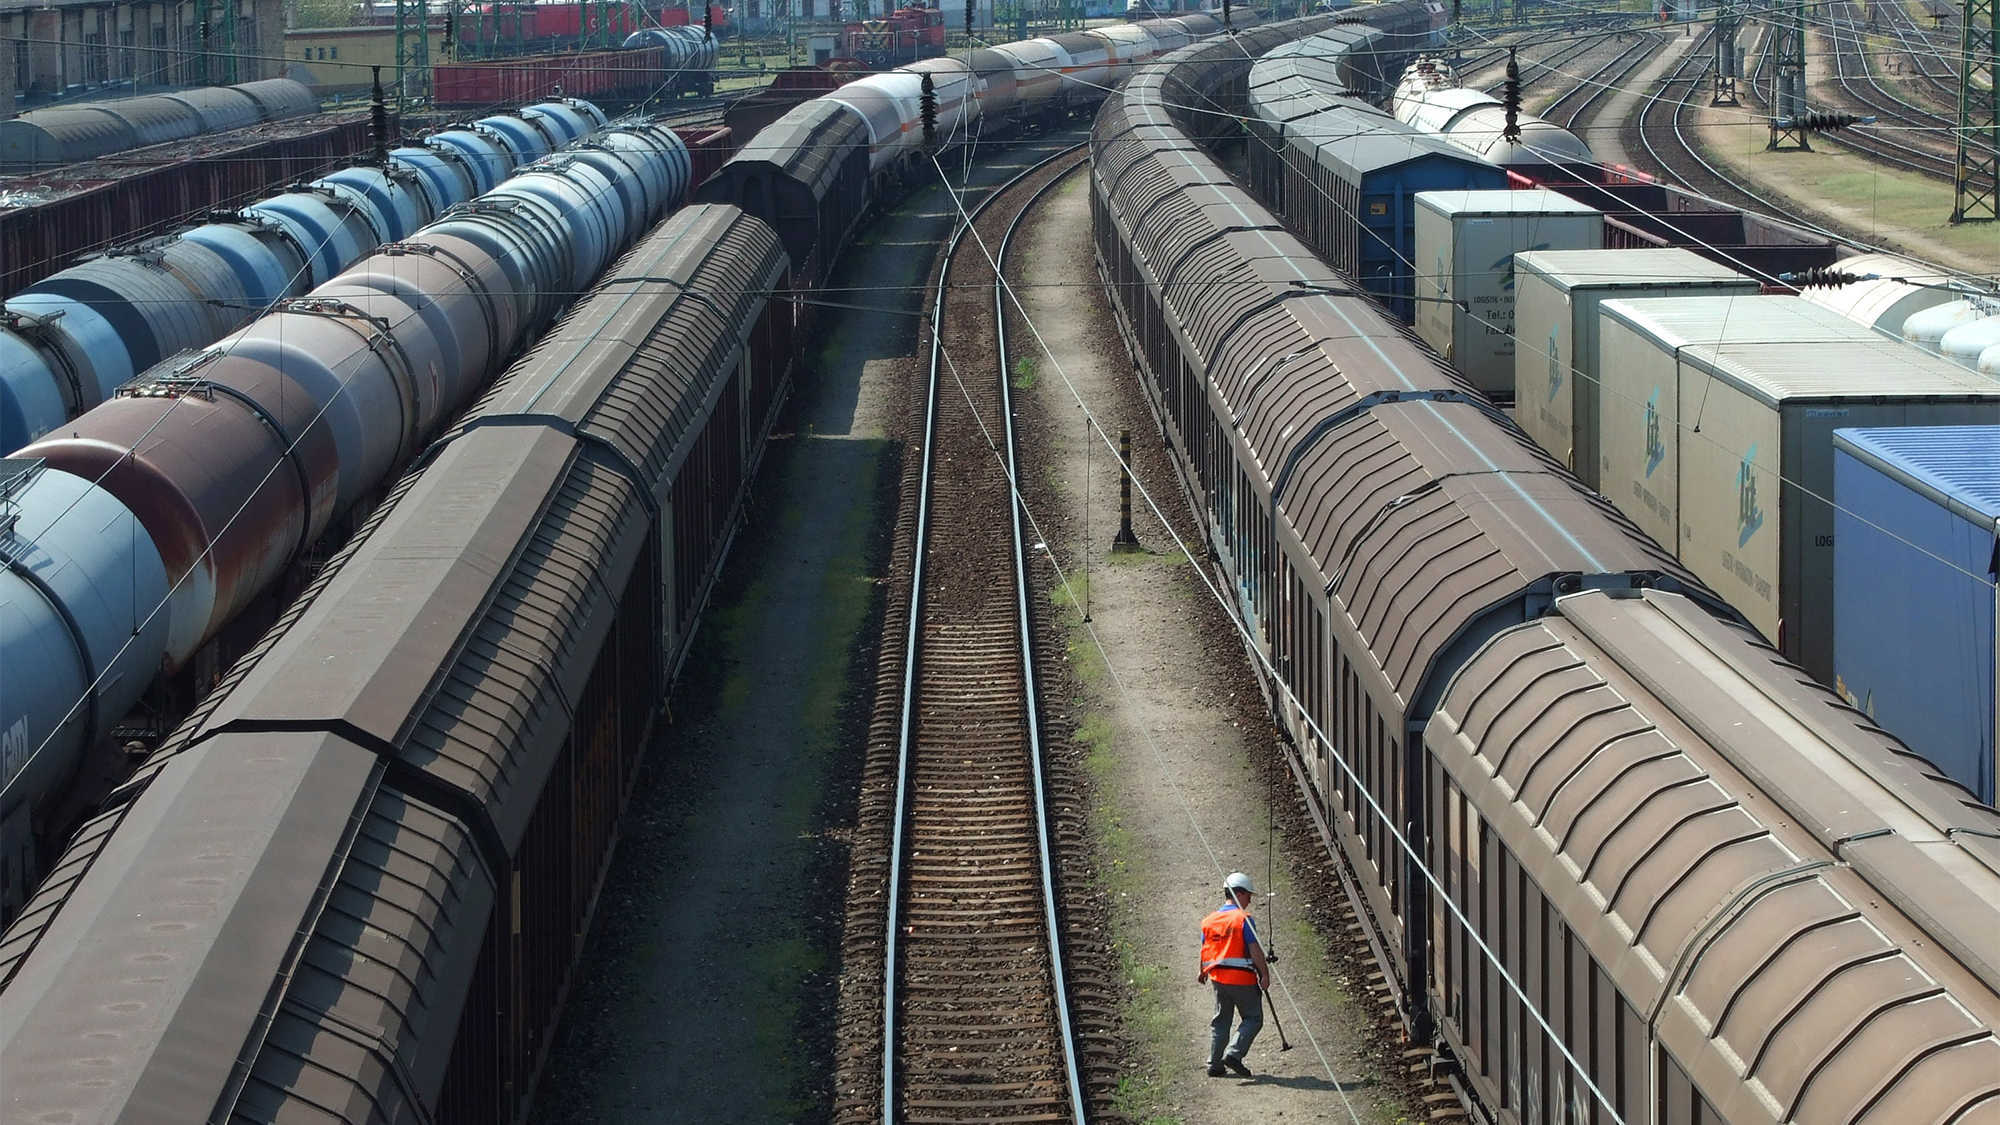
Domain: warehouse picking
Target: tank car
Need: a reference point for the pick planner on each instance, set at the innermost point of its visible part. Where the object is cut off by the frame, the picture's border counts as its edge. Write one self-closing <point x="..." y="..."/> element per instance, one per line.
<point x="442" y="732"/>
<point x="1430" y="98"/>
<point x="687" y="57"/>
<point x="236" y="460"/>
<point x="74" y="337"/>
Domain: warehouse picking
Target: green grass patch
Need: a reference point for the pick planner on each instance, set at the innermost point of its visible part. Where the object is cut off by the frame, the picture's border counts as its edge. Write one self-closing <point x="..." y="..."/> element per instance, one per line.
<point x="1025" y="370"/>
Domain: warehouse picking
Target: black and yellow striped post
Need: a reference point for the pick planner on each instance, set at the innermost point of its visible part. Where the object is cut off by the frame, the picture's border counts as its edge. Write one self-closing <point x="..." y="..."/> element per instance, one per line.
<point x="1125" y="540"/>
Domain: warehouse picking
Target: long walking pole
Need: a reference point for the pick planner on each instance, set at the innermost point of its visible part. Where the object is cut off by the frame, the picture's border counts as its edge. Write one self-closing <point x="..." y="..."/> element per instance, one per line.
<point x="1283" y="1043"/>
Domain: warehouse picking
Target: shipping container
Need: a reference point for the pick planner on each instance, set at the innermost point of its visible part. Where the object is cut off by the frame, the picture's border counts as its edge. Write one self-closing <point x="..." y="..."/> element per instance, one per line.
<point x="1557" y="294"/>
<point x="1718" y="416"/>
<point x="1897" y="288"/>
<point x="1466" y="242"/>
<point x="1916" y="553"/>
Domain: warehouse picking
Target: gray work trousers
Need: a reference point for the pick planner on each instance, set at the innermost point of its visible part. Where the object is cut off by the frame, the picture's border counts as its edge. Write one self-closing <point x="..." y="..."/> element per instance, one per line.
<point x="1231" y="999"/>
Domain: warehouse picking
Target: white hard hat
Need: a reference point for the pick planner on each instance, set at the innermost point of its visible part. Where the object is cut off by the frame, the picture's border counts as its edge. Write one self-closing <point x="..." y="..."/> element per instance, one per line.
<point x="1238" y="881"/>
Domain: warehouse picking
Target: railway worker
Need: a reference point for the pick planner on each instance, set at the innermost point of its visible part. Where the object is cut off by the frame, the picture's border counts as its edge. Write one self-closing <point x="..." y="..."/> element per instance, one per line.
<point x="1233" y="961"/>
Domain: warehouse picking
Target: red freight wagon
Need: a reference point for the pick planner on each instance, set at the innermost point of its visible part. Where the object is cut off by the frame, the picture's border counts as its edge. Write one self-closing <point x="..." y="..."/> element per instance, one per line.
<point x="589" y="74"/>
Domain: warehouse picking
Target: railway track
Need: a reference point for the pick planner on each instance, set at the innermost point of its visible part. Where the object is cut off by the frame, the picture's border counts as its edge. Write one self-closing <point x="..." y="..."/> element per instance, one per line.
<point x="1866" y="91"/>
<point x="1660" y="130"/>
<point x="976" y="1006"/>
<point x="1574" y="105"/>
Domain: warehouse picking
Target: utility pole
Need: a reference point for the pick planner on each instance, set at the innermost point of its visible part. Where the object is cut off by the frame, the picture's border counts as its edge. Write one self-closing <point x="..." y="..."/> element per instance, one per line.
<point x="413" y="54"/>
<point x="1728" y="20"/>
<point x="1977" y="198"/>
<point x="1788" y="51"/>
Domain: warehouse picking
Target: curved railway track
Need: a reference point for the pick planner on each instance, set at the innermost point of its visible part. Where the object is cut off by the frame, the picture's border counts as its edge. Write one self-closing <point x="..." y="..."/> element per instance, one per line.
<point x="976" y="1008"/>
<point x="1593" y="87"/>
<point x="1860" y="85"/>
<point x="1661" y="132"/>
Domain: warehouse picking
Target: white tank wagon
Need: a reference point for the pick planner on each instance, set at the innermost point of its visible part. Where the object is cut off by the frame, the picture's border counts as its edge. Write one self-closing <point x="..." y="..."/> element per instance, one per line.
<point x="1430" y="98"/>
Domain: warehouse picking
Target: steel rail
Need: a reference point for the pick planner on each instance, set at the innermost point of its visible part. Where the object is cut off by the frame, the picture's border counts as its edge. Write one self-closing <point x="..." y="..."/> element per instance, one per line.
<point x="1598" y="84"/>
<point x="1677" y="107"/>
<point x="1867" y="90"/>
<point x="912" y="660"/>
<point x="1014" y="505"/>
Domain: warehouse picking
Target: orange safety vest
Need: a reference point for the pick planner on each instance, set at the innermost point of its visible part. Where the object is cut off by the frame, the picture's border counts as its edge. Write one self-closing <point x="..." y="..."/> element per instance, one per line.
<point x="1225" y="956"/>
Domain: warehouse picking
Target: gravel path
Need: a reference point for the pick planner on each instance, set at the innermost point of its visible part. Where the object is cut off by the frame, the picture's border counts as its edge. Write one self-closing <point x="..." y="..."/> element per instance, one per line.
<point x="1177" y="740"/>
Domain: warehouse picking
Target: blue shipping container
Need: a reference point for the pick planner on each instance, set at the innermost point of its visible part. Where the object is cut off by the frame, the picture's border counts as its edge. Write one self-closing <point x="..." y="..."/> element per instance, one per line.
<point x="1915" y="558"/>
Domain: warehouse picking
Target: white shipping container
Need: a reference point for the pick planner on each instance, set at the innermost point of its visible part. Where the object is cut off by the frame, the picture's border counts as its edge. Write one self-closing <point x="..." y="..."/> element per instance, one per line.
<point x="1718" y="416"/>
<point x="1465" y="247"/>
<point x="1556" y="297"/>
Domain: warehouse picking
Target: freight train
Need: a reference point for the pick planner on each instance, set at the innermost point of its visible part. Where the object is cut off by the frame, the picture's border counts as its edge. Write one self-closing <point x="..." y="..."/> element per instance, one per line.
<point x="367" y="859"/>
<point x="64" y="134"/>
<point x="141" y="529"/>
<point x="502" y="29"/>
<point x="1618" y="858"/>
<point x="1345" y="174"/>
<point x="653" y="64"/>
<point x="73" y="338"/>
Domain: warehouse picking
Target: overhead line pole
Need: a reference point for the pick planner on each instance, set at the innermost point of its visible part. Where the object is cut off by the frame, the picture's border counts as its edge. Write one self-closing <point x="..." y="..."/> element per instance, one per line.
<point x="1788" y="107"/>
<point x="1728" y="21"/>
<point x="1976" y="198"/>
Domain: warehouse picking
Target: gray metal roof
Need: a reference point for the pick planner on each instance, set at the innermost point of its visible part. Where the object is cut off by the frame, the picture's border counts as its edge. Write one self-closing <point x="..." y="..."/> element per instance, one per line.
<point x="1810" y="915"/>
<point x="1656" y="266"/>
<point x="640" y="364"/>
<point x="806" y="143"/>
<point x="1784" y="349"/>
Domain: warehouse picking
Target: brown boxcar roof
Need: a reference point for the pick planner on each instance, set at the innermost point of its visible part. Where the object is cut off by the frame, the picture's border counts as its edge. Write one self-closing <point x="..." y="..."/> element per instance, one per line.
<point x="641" y="364"/>
<point x="807" y="144"/>
<point x="1805" y="911"/>
<point x="1422" y="515"/>
<point x="151" y="979"/>
<point x="457" y="633"/>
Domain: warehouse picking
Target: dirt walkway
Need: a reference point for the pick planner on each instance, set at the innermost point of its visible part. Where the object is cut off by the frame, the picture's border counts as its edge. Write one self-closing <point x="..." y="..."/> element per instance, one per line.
<point x="1176" y="733"/>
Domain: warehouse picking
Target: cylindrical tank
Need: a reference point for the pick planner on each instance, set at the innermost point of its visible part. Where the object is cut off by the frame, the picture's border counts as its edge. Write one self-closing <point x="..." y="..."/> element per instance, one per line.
<point x="330" y="228"/>
<point x="358" y="374"/>
<point x="1965" y="344"/>
<point x="79" y="635"/>
<point x="1989" y="362"/>
<point x="268" y="264"/>
<point x="220" y="494"/>
<point x="1926" y="327"/>
<point x="88" y="343"/>
<point x="157" y="299"/>
<point x="659" y="157"/>
<point x="485" y="153"/>
<point x="525" y="139"/>
<point x="560" y="119"/>
<point x="441" y="172"/>
<point x="578" y="203"/>
<point x="391" y="195"/>
<point x="31" y="388"/>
